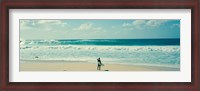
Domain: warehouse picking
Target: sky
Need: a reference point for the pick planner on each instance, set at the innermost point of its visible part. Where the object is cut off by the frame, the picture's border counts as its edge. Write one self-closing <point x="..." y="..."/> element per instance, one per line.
<point x="99" y="29"/>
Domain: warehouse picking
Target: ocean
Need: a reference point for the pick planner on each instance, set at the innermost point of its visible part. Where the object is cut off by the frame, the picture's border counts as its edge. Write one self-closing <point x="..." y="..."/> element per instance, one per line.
<point x="155" y="52"/>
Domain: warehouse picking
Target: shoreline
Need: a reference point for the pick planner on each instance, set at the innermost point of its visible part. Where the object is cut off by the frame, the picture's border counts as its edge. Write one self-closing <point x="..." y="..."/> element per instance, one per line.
<point x="86" y="66"/>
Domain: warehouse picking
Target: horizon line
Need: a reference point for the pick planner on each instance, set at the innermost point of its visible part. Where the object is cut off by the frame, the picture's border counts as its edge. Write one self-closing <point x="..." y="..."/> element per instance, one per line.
<point x="99" y="39"/>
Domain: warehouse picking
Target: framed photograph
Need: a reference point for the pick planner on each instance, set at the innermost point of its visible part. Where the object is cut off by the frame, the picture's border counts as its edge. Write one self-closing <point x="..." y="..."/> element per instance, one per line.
<point x="100" y="45"/>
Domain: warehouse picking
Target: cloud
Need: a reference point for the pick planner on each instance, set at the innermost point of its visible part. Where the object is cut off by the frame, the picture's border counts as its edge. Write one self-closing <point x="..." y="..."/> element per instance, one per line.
<point x="42" y="22"/>
<point x="143" y="24"/>
<point x="84" y="26"/>
<point x="26" y="24"/>
<point x="54" y="22"/>
<point x="139" y="22"/>
<point x="88" y="26"/>
<point x="126" y="25"/>
<point x="46" y="25"/>
<point x="60" y="23"/>
<point x="155" y="23"/>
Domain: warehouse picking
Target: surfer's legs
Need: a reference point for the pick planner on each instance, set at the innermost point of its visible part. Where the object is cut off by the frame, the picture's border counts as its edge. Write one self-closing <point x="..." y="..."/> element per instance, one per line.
<point x="98" y="67"/>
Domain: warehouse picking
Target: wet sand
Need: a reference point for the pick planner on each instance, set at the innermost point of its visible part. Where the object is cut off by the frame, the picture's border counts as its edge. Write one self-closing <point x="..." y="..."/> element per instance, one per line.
<point x="86" y="66"/>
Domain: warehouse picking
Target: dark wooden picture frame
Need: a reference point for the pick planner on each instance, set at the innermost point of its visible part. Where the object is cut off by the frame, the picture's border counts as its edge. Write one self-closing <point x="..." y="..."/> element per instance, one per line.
<point x="100" y="4"/>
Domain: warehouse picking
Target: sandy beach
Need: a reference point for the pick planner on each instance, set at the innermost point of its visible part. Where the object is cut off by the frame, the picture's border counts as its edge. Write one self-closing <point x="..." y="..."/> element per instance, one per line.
<point x="86" y="66"/>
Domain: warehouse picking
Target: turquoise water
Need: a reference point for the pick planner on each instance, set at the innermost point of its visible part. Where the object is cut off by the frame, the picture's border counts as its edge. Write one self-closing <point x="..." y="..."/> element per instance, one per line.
<point x="109" y="42"/>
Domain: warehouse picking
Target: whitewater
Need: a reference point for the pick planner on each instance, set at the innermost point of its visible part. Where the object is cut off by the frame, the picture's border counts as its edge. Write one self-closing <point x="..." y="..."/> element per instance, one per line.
<point x="110" y="51"/>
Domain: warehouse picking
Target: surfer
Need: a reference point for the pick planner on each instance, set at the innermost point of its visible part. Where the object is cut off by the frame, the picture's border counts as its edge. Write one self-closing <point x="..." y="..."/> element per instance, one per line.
<point x="99" y="64"/>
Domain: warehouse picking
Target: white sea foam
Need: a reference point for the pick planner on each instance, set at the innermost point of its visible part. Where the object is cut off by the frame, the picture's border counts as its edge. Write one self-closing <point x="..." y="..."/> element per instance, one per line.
<point x="154" y="55"/>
